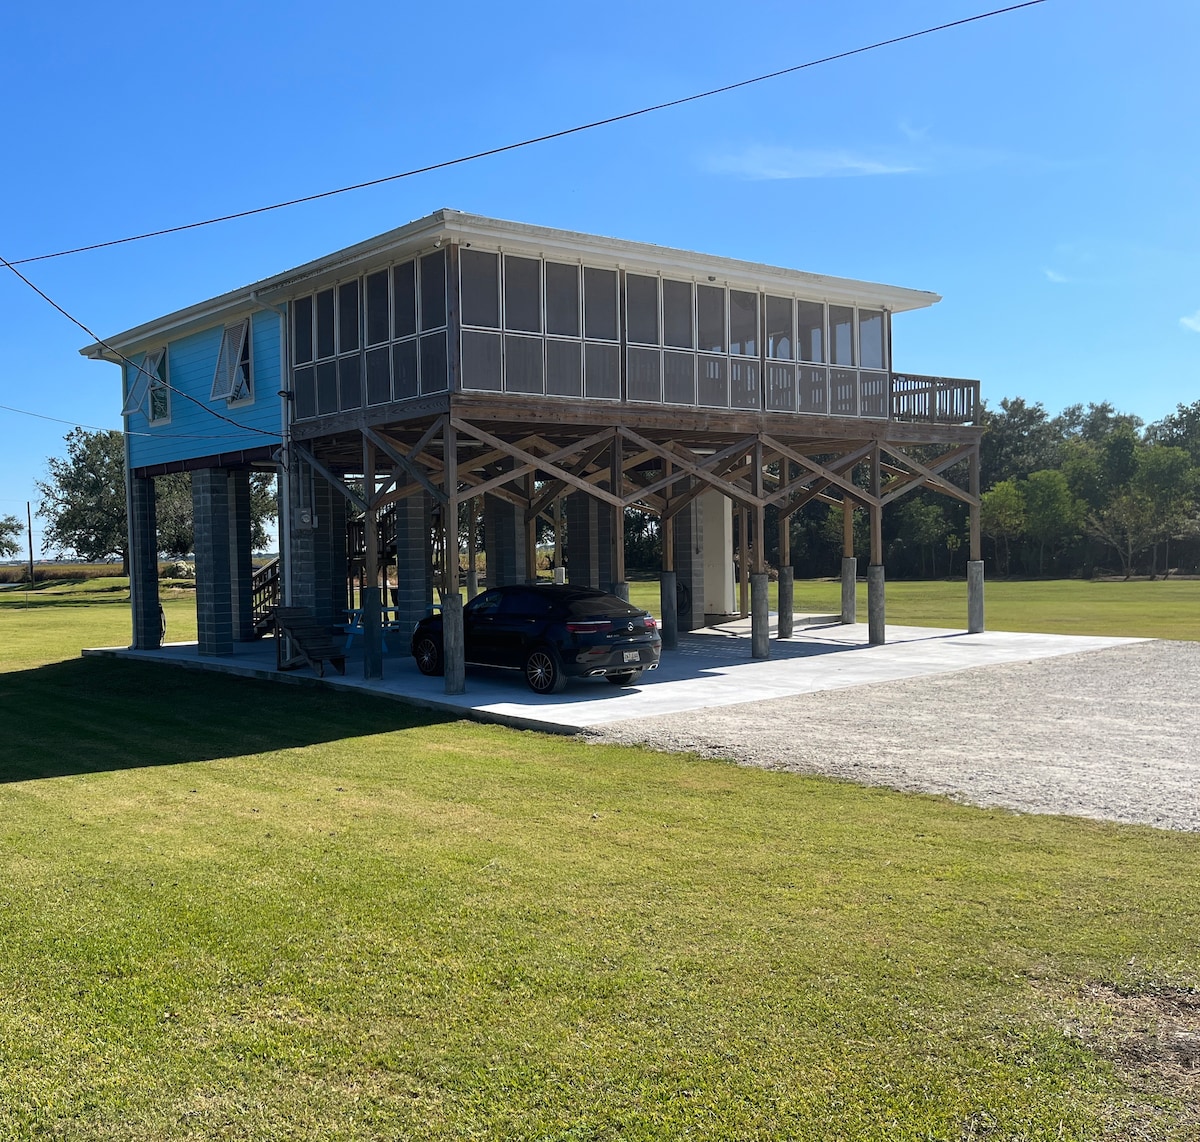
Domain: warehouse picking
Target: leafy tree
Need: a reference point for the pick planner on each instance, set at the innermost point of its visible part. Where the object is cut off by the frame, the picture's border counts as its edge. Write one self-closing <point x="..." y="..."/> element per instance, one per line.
<point x="1053" y="516"/>
<point x="83" y="502"/>
<point x="1166" y="477"/>
<point x="1128" y="525"/>
<point x="1180" y="429"/>
<point x="10" y="528"/>
<point x="1018" y="439"/>
<point x="1002" y="517"/>
<point x="1096" y="423"/>
<point x="923" y="523"/>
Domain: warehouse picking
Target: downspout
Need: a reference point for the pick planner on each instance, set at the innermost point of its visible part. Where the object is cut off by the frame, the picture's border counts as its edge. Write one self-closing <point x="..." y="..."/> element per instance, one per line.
<point x="134" y="584"/>
<point x="285" y="450"/>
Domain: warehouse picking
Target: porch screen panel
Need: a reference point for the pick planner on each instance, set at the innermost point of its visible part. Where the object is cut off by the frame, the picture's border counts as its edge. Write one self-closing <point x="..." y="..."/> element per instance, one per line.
<point x="645" y="375"/>
<point x="810" y="331"/>
<point x="781" y="387"/>
<point x="713" y="382"/>
<point x="602" y="372"/>
<point x="404" y="370"/>
<point x="743" y="384"/>
<point x="710" y="313"/>
<point x="378" y="306"/>
<point x="780" y="346"/>
<point x="843" y="392"/>
<point x="327" y="394"/>
<point x="348" y="317"/>
<point x="481" y="361"/>
<point x="305" y="387"/>
<point x="434" y="363"/>
<point x="522" y="294"/>
<point x="600" y="305"/>
<point x="812" y="390"/>
<point x="679" y="378"/>
<point x="523" y="364"/>
<point x="433" y="293"/>
<point x="480" y="275"/>
<point x="379" y="375"/>
<point x="404" y="299"/>
<point x="325" y="325"/>
<point x="350" y="382"/>
<point x="564" y="366"/>
<point x="562" y="300"/>
<point x="641" y="309"/>
<point x="302" y="330"/>
<point x="872" y="394"/>
<point x="870" y="338"/>
<point x="678" y="320"/>
<point x="743" y="323"/>
<point x="841" y="335"/>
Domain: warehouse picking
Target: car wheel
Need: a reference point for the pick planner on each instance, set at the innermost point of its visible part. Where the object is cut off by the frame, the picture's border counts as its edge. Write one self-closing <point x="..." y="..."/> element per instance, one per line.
<point x="544" y="672"/>
<point x="428" y="653"/>
<point x="623" y="677"/>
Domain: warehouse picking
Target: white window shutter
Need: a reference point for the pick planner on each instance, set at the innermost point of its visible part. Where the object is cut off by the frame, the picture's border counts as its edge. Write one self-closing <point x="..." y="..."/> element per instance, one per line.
<point x="228" y="359"/>
<point x="140" y="386"/>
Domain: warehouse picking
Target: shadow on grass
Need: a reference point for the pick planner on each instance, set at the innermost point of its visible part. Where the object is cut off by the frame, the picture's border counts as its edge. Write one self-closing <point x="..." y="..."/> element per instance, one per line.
<point x="92" y="715"/>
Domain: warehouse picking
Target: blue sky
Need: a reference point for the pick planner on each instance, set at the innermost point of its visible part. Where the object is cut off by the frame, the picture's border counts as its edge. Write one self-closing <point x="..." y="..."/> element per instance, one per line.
<point x="1040" y="170"/>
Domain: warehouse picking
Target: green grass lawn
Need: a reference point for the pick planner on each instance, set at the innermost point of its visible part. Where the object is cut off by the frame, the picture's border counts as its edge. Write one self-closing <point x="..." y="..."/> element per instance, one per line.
<point x="1163" y="609"/>
<point x="236" y="910"/>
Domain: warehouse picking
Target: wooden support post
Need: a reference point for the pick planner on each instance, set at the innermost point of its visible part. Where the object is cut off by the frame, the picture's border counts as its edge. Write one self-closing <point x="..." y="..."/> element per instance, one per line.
<point x="743" y="521"/>
<point x="975" y="616"/>
<point x="849" y="564"/>
<point x="472" y="553"/>
<point x="560" y="572"/>
<point x="453" y="648"/>
<point x="787" y="601"/>
<point x="370" y="595"/>
<point x="531" y="530"/>
<point x="876" y="608"/>
<point x="667" y="584"/>
<point x="760" y="610"/>
<point x="616" y="486"/>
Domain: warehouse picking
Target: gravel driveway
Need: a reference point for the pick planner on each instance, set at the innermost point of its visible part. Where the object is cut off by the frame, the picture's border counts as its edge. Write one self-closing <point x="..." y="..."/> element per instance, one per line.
<point x="1112" y="734"/>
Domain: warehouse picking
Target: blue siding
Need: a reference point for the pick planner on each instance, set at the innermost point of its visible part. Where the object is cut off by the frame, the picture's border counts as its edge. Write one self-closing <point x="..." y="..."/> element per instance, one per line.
<point x="192" y="432"/>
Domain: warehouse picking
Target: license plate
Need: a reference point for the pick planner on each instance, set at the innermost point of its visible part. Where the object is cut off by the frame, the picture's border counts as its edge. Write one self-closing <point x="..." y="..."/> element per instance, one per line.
<point x="632" y="656"/>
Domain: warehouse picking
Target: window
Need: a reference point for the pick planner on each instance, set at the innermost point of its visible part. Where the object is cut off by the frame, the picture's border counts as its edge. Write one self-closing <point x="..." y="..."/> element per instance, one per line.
<point x="232" y="381"/>
<point x="479" y="273"/>
<point x="779" y="328"/>
<point x="433" y="291"/>
<point x="149" y="381"/>
<point x="377" y="308"/>
<point x="302" y="332"/>
<point x="348" y="317"/>
<point x="600" y="305"/>
<point x="562" y="300"/>
<point x="325" y="324"/>
<point x="710" y="308"/>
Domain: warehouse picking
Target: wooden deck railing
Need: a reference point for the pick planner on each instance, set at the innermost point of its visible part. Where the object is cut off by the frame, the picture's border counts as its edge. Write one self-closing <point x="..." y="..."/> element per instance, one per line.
<point x="264" y="595"/>
<point x="935" y="400"/>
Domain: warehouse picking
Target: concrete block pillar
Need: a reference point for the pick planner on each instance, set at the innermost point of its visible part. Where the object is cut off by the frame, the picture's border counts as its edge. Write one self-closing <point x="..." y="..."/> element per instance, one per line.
<point x="211" y="523"/>
<point x="300" y="535"/>
<point x="716" y="514"/>
<point x="143" y="564"/>
<point x="328" y="541"/>
<point x="875" y="605"/>
<point x="849" y="588"/>
<point x="241" y="557"/>
<point x="589" y="541"/>
<point x="975" y="596"/>
<point x="668" y="608"/>
<point x="689" y="567"/>
<point x="760" y="616"/>
<point x="504" y="543"/>
<point x="414" y="558"/>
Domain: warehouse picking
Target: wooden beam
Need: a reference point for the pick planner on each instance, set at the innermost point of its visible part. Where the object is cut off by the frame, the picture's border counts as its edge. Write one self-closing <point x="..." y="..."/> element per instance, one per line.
<point x="405" y="463"/>
<point x="334" y="481"/>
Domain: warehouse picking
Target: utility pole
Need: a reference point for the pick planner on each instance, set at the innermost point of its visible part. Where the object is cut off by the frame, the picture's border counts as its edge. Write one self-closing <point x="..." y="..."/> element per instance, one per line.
<point x="29" y="535"/>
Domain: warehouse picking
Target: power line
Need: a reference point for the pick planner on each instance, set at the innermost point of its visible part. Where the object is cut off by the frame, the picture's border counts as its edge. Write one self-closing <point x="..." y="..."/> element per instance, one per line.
<point x="116" y="352"/>
<point x="526" y="142"/>
<point x="98" y="428"/>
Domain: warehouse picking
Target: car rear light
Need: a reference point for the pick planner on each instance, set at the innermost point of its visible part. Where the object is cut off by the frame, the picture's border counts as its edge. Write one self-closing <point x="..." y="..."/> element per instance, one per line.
<point x="596" y="626"/>
<point x="649" y="621"/>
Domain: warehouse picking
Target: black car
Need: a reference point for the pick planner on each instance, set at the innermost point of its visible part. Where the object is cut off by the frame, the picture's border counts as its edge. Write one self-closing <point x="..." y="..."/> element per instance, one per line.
<point x="549" y="633"/>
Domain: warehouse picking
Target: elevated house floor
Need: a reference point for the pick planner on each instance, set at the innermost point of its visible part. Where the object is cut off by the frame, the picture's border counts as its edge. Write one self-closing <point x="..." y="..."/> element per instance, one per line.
<point x="463" y="376"/>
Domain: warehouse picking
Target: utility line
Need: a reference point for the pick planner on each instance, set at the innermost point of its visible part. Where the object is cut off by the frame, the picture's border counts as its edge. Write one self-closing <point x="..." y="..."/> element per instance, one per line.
<point x="527" y="142"/>
<point x="116" y="352"/>
<point x="98" y="428"/>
